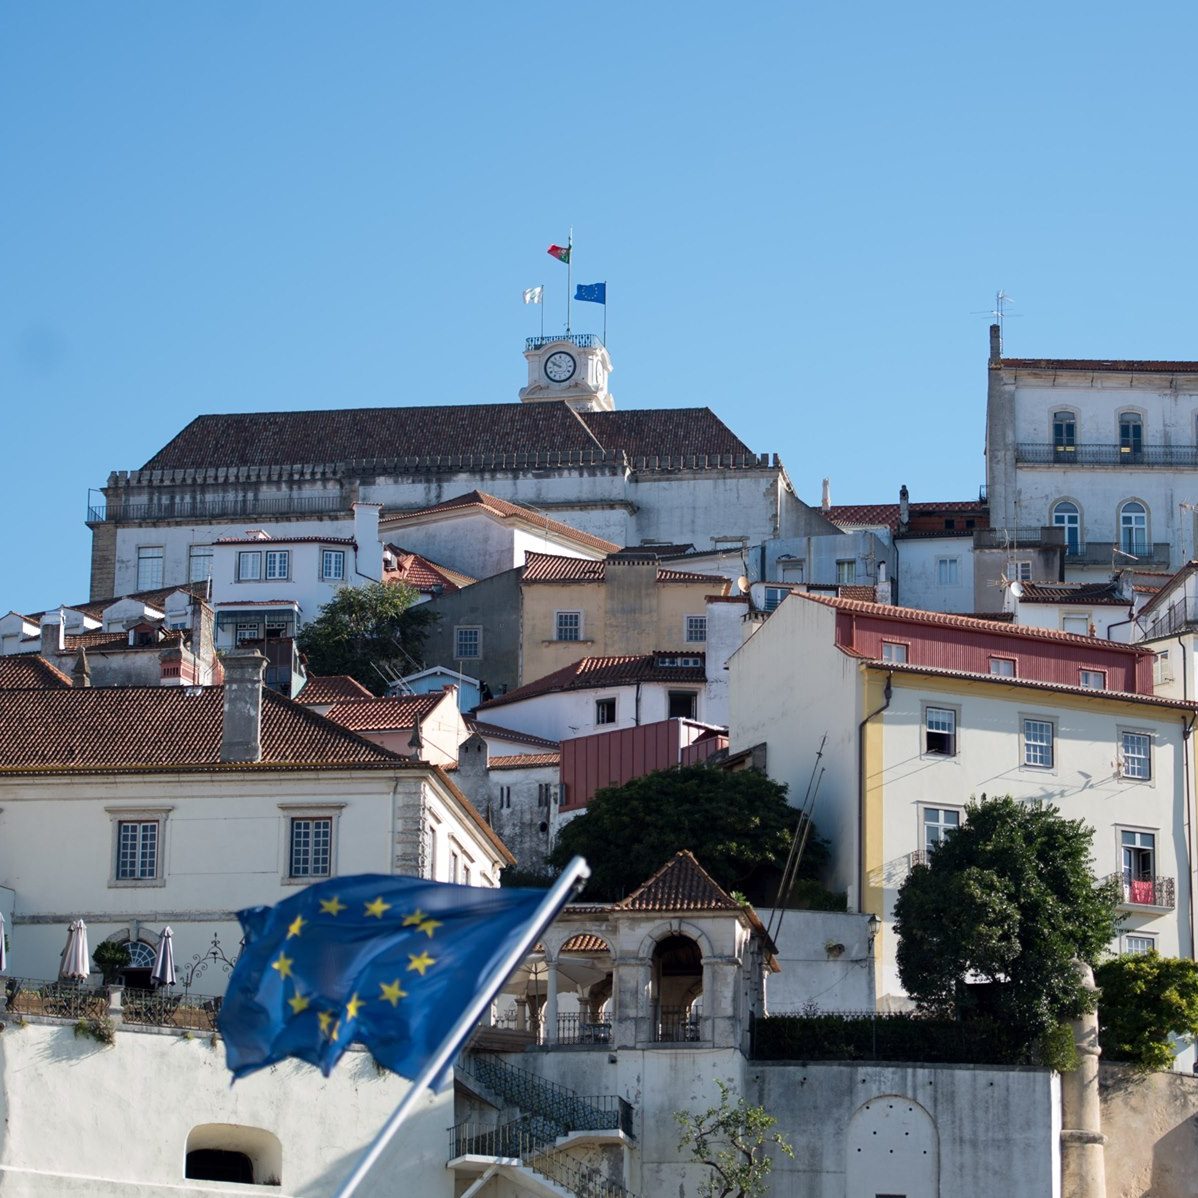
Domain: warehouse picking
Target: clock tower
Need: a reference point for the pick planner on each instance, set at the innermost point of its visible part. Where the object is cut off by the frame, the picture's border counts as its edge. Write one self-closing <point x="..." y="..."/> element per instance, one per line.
<point x="571" y="367"/>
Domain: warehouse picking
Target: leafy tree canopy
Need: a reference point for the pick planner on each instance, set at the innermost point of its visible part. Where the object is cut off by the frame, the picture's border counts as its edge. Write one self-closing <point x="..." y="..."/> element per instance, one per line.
<point x="364" y="627"/>
<point x="1008" y="898"/>
<point x="1145" y="999"/>
<point x="738" y="825"/>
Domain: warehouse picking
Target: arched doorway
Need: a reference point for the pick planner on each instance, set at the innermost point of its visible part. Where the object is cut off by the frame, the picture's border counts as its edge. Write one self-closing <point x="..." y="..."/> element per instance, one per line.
<point x="892" y="1150"/>
<point x="677" y="988"/>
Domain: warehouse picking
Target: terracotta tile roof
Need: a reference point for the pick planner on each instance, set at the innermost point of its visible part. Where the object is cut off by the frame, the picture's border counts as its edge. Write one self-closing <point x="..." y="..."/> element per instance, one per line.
<point x="1089" y="593"/>
<point x="727" y="598"/>
<point x="383" y="715"/>
<point x="501" y="509"/>
<point x="342" y="435"/>
<point x="586" y="942"/>
<point x="1119" y="366"/>
<point x="495" y="732"/>
<point x="423" y="574"/>
<point x="591" y="672"/>
<point x="886" y="515"/>
<point x="868" y="594"/>
<point x="330" y="688"/>
<point x="526" y="761"/>
<point x="90" y="640"/>
<point x="270" y="539"/>
<point x="23" y="670"/>
<point x="162" y="728"/>
<point x="94" y="608"/>
<point x="657" y="550"/>
<point x="551" y="567"/>
<point x="913" y="615"/>
<point x="240" y="603"/>
<point x="682" y="884"/>
<point x="1033" y="684"/>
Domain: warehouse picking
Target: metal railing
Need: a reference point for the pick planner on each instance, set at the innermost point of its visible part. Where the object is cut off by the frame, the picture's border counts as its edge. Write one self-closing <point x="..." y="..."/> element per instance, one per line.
<point x="1021" y="538"/>
<point x="1046" y="453"/>
<point x="675" y="1025"/>
<point x="1146" y="891"/>
<point x="63" y="1000"/>
<point x="162" y="1008"/>
<point x="189" y="507"/>
<point x="582" y="340"/>
<point x="575" y="1028"/>
<point x="1172" y="619"/>
<point x="1102" y="553"/>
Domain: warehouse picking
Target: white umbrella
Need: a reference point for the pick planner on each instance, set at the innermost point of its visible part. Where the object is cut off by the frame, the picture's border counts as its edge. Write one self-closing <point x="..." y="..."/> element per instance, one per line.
<point x="163" y="973"/>
<point x="76" y="958"/>
<point x="3" y="954"/>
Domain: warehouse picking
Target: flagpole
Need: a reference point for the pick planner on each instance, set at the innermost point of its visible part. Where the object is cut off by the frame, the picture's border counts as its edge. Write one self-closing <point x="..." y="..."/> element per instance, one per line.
<point x="569" y="274"/>
<point x="541" y="305"/>
<point x="555" y="899"/>
<point x="605" y="313"/>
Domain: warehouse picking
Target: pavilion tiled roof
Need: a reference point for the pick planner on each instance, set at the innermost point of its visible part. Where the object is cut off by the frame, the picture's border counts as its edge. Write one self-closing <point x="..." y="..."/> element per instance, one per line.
<point x="682" y="884"/>
<point x="21" y="670"/>
<point x="500" y="509"/>
<point x="551" y="567"/>
<point x="586" y="942"/>
<point x="495" y="732"/>
<point x="162" y="728"/>
<point x="591" y="672"/>
<point x="382" y="715"/>
<point x="342" y="435"/>
<point x="331" y="688"/>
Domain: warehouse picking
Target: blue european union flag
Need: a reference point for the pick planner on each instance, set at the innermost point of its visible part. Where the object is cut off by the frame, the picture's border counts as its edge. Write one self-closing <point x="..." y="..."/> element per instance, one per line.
<point x="391" y="963"/>
<point x="592" y="293"/>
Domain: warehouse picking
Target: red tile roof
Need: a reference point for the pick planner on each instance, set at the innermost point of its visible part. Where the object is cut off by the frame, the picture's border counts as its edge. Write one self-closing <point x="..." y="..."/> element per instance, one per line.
<point x="586" y="942"/>
<point x="593" y="672"/>
<point x="501" y="509"/>
<point x="682" y="884"/>
<point x="383" y="715"/>
<point x="868" y="594"/>
<point x="90" y="640"/>
<point x="422" y="574"/>
<point x="886" y="515"/>
<point x="94" y="608"/>
<point x="330" y="688"/>
<point x="495" y="732"/>
<point x="1117" y="365"/>
<point x="526" y="761"/>
<point x="1088" y="593"/>
<point x="22" y="670"/>
<point x="162" y="728"/>
<point x="517" y="429"/>
<point x="550" y="567"/>
<point x="270" y="539"/>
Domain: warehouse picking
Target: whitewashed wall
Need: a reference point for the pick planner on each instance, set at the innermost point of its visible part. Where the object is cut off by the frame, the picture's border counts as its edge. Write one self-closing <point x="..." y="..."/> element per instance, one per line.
<point x="918" y="573"/>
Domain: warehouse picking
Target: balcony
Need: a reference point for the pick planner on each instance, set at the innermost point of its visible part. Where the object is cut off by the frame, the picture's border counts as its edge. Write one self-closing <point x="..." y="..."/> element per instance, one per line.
<point x="1156" y="894"/>
<point x="1043" y="537"/>
<point x="1139" y="457"/>
<point x="676" y="1025"/>
<point x="1177" y="617"/>
<point x="193" y="507"/>
<point x="582" y="340"/>
<point x="1103" y="553"/>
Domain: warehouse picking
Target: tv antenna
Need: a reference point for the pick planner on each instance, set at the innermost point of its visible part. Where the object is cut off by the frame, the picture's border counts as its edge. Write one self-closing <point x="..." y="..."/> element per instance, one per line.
<point x="999" y="313"/>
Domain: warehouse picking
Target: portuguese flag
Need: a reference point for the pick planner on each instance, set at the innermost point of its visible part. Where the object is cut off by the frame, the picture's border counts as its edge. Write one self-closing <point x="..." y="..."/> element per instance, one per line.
<point x="560" y="252"/>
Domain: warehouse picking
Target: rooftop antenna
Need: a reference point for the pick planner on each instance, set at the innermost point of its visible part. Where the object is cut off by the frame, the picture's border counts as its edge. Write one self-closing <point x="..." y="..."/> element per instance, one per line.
<point x="999" y="313"/>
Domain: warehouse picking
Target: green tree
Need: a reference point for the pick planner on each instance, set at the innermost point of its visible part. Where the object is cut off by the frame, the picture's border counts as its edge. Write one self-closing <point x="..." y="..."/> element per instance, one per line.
<point x="730" y="1139"/>
<point x="1009" y="898"/>
<point x="1145" y="999"/>
<point x="364" y="627"/>
<point x="738" y="825"/>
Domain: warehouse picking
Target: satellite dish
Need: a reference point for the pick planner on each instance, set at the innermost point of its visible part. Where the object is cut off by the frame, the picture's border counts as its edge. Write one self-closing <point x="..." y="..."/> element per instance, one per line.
<point x="743" y="583"/>
<point x="1017" y="590"/>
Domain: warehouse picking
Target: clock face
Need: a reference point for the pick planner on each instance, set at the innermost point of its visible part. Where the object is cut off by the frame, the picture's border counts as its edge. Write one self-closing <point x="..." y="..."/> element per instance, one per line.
<point x="560" y="366"/>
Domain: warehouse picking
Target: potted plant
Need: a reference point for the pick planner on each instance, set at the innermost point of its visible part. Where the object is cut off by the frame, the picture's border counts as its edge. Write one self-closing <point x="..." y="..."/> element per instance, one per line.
<point x="110" y="958"/>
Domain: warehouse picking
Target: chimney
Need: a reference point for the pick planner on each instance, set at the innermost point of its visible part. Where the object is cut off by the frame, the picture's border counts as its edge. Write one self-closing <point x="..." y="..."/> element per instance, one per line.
<point x="416" y="741"/>
<point x="54" y="634"/>
<point x="995" y="343"/>
<point x="367" y="545"/>
<point x="904" y="507"/>
<point x="82" y="673"/>
<point x="826" y="502"/>
<point x="883" y="591"/>
<point x="241" y="731"/>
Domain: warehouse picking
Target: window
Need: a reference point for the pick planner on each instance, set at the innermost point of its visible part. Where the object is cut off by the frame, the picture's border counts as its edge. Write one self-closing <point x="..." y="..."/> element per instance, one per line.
<point x="846" y="572"/>
<point x="894" y="651"/>
<point x="467" y="642"/>
<point x="774" y="596"/>
<point x="1064" y="436"/>
<point x="1133" y="528"/>
<point x="249" y="565"/>
<point x="1004" y="667"/>
<point x="149" y="567"/>
<point x="1093" y="680"/>
<point x="246" y="630"/>
<point x="1020" y="571"/>
<point x="332" y="565"/>
<point x="568" y="626"/>
<point x="948" y="571"/>
<point x="311" y="848"/>
<point x="1067" y="515"/>
<point x="545" y="793"/>
<point x="938" y="822"/>
<point x="1136" y="759"/>
<point x="199" y="563"/>
<point x="1078" y="625"/>
<point x="1162" y="671"/>
<point x="137" y="850"/>
<point x="1139" y="867"/>
<point x="455" y="865"/>
<point x="505" y="798"/>
<point x="1139" y="943"/>
<point x="940" y="736"/>
<point x="681" y="705"/>
<point x="696" y="629"/>
<point x="1131" y="436"/>
<point x="605" y="711"/>
<point x="793" y="570"/>
<point x="277" y="626"/>
<point x="1037" y="743"/>
<point x="680" y="661"/>
<point x="278" y="563"/>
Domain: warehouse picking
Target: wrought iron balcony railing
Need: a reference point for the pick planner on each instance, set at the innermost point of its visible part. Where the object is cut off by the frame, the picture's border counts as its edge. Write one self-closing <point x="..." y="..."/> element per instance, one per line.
<point x="582" y="340"/>
<point x="1019" y="538"/>
<point x="1103" y="553"/>
<point x="1146" y="892"/>
<point x="165" y="1008"/>
<point x="192" y="507"/>
<point x="676" y="1025"/>
<point x="1177" y="616"/>
<point x="1045" y="453"/>
<point x="62" y="1000"/>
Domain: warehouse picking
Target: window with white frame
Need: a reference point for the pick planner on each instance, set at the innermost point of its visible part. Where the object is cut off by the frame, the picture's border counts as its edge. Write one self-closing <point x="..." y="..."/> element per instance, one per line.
<point x="1093" y="680"/>
<point x="278" y="563"/>
<point x="948" y="571"/>
<point x="938" y="822"/>
<point x="455" y="864"/>
<point x="1079" y="625"/>
<point x="467" y="642"/>
<point x="894" y="651"/>
<point x="249" y="565"/>
<point x="1064" y="436"/>
<point x="696" y="630"/>
<point x="149" y="567"/>
<point x="940" y="731"/>
<point x="846" y="572"/>
<point x="1138" y="852"/>
<point x="278" y="624"/>
<point x="793" y="570"/>
<point x="1020" y="572"/>
<point x="199" y="563"/>
<point x="246" y="630"/>
<point x="1067" y="515"/>
<point x="1136" y="755"/>
<point x="332" y="565"/>
<point x="1162" y="670"/>
<point x="774" y="596"/>
<point x="567" y="626"/>
<point x="137" y="850"/>
<point x="605" y="711"/>
<point x="1131" y="434"/>
<point x="311" y="851"/>
<point x="1038" y="743"/>
<point x="1139" y="943"/>
<point x="681" y="705"/>
<point x="1003" y="667"/>
<point x="1133" y="528"/>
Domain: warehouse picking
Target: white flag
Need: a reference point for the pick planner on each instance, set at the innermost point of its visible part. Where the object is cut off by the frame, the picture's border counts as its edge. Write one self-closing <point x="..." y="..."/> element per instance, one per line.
<point x="532" y="295"/>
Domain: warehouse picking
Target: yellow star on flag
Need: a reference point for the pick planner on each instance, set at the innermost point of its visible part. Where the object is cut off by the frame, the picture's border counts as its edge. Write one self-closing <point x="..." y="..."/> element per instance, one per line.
<point x="392" y="993"/>
<point x="326" y="1021"/>
<point x="420" y="963"/>
<point x="415" y="918"/>
<point x="298" y="1003"/>
<point x="295" y="926"/>
<point x="333" y="906"/>
<point x="428" y="925"/>
<point x="352" y="1007"/>
<point x="283" y="965"/>
<point x="377" y="907"/>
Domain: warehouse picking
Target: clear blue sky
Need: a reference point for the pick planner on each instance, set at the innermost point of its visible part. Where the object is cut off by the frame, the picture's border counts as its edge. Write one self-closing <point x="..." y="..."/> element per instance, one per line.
<point x="236" y="205"/>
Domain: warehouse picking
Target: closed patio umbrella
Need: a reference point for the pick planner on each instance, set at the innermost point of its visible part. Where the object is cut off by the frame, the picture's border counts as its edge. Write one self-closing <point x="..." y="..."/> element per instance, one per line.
<point x="3" y="954"/>
<point x="76" y="957"/>
<point x="163" y="973"/>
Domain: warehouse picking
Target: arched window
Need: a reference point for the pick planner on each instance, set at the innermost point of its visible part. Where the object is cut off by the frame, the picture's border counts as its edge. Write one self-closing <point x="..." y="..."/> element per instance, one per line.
<point x="677" y="984"/>
<point x="1064" y="436"/>
<point x="1133" y="528"/>
<point x="231" y="1152"/>
<point x="1065" y="514"/>
<point x="141" y="955"/>
<point x="1131" y="436"/>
